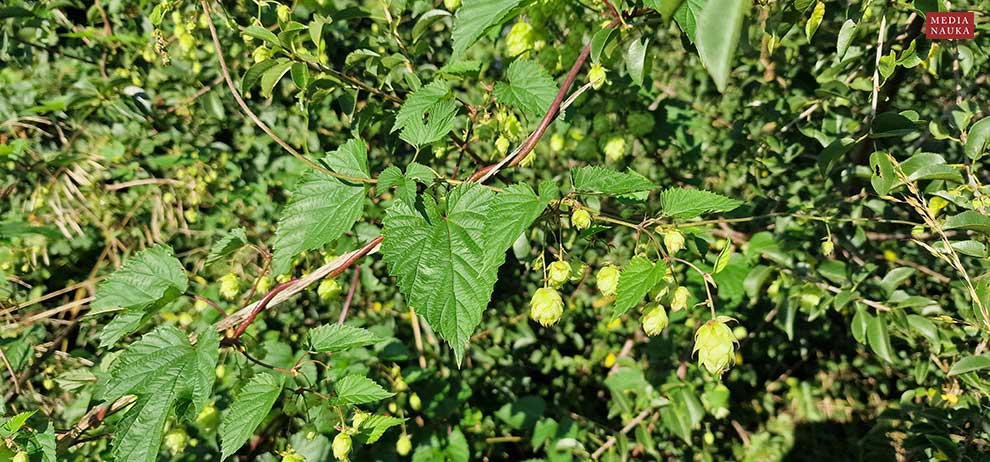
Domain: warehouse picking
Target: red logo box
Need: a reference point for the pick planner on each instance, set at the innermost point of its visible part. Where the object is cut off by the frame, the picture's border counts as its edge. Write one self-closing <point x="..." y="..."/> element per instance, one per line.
<point x="952" y="26"/>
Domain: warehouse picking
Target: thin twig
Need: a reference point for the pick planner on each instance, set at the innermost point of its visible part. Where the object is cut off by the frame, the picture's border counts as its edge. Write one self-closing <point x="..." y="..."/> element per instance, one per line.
<point x="355" y="280"/>
<point x="10" y="369"/>
<point x="612" y="439"/>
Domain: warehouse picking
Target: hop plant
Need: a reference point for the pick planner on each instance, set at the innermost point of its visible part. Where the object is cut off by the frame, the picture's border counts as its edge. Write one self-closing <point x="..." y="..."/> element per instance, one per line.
<point x="654" y="320"/>
<point x="558" y="273"/>
<point x="615" y="149"/>
<point x="283" y="13"/>
<point x="673" y="240"/>
<point x="230" y="285"/>
<point x="290" y="455"/>
<point x="827" y="247"/>
<point x="403" y="445"/>
<point x="414" y="402"/>
<point x="715" y="345"/>
<point x="678" y="301"/>
<point x="581" y="219"/>
<point x="556" y="142"/>
<point x="264" y="284"/>
<point x="341" y="446"/>
<point x="520" y="38"/>
<point x="328" y="289"/>
<point x="597" y="76"/>
<point x="607" y="280"/>
<point x="546" y="307"/>
<point x="451" y="5"/>
<point x="502" y="144"/>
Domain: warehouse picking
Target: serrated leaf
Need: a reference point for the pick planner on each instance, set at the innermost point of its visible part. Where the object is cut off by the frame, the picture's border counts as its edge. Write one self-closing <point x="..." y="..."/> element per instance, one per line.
<point x="124" y="323"/>
<point x="231" y="241"/>
<point x="637" y="278"/>
<point x="719" y="28"/>
<point x="689" y="203"/>
<point x="475" y="17"/>
<point x="374" y="426"/>
<point x="15" y="422"/>
<point x="160" y="368"/>
<point x="149" y="277"/>
<point x="446" y="262"/>
<point x="46" y="442"/>
<point x="248" y="411"/>
<point x="604" y="180"/>
<point x="530" y="88"/>
<point x="427" y="115"/>
<point x="358" y="389"/>
<point x="969" y="220"/>
<point x="457" y="447"/>
<point x="970" y="364"/>
<point x="340" y="337"/>
<point x="322" y="208"/>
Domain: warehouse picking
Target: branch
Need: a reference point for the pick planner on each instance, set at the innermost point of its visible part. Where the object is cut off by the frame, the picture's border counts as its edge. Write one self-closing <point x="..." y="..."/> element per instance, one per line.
<point x="612" y="439"/>
<point x="264" y="127"/>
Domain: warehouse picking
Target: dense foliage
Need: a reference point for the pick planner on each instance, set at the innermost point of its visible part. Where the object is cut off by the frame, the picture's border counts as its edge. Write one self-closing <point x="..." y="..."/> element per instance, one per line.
<point x="492" y="230"/>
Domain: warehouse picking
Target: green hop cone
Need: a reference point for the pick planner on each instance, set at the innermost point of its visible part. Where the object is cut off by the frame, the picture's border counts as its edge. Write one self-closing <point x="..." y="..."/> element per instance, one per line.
<point x="827" y="247"/>
<point x="328" y="289"/>
<point x="229" y="286"/>
<point x="678" y="301"/>
<point x="546" y="307"/>
<point x="520" y="38"/>
<point x="715" y="345"/>
<point x="264" y="284"/>
<point x="341" y="446"/>
<point x="292" y="456"/>
<point x="556" y="142"/>
<point x="654" y="320"/>
<point x="502" y="145"/>
<point x="581" y="219"/>
<point x="673" y="240"/>
<point x="615" y="149"/>
<point x="283" y="13"/>
<point x="608" y="280"/>
<point x="176" y="441"/>
<point x="558" y="273"/>
<point x="451" y="5"/>
<point x="403" y="445"/>
<point x="597" y="76"/>
<point x="414" y="402"/>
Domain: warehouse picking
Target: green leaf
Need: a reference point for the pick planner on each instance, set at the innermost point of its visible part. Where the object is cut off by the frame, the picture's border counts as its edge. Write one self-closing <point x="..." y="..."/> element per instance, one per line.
<point x="636" y="58"/>
<point x="357" y="389"/>
<point x="978" y="139"/>
<point x="666" y="8"/>
<point x="846" y="35"/>
<point x="46" y="442"/>
<point x="723" y="257"/>
<point x="254" y="74"/>
<point x="599" y="41"/>
<point x="883" y="178"/>
<point x="340" y="337"/>
<point x="637" y="278"/>
<point x="15" y="422"/>
<point x="124" y="323"/>
<point x="152" y="276"/>
<point x="969" y="220"/>
<point x="970" y="364"/>
<point x="689" y="203"/>
<point x="247" y="411"/>
<point x="814" y="21"/>
<point x="446" y="262"/>
<point x="835" y="150"/>
<point x="878" y="338"/>
<point x="457" y="447"/>
<point x="374" y="426"/>
<point x="259" y="32"/>
<point x="159" y="369"/>
<point x="322" y="208"/>
<point x="231" y="242"/>
<point x="604" y="180"/>
<point x="271" y="76"/>
<point x="687" y="15"/>
<point x="475" y="17"/>
<point x="427" y="115"/>
<point x="530" y="88"/>
<point x="719" y="28"/>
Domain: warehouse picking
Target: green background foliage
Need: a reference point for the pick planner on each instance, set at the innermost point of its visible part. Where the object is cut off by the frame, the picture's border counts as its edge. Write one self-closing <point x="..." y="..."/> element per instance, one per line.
<point x="823" y="162"/>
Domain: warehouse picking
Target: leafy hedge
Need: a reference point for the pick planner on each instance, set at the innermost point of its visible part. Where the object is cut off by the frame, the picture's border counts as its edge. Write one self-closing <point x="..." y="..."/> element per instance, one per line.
<point x="497" y="230"/>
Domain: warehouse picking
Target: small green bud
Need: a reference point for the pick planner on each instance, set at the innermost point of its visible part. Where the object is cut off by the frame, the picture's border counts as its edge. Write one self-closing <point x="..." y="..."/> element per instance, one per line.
<point x="709" y="438"/>
<point x="264" y="284"/>
<point x="328" y="289"/>
<point x="597" y="76"/>
<point x="810" y="300"/>
<point x="546" y="307"/>
<point x="502" y="145"/>
<point x="403" y="446"/>
<point x="21" y="456"/>
<point x="341" y="446"/>
<point x="291" y="455"/>
<point x="230" y="285"/>
<point x="451" y="5"/>
<point x="774" y="289"/>
<point x="581" y="219"/>
<point x="208" y="419"/>
<point x="715" y="345"/>
<point x="678" y="301"/>
<point x="359" y="418"/>
<point x="260" y="54"/>
<point x="827" y="247"/>
<point x="283" y="13"/>
<point x="615" y="149"/>
<point x="176" y="441"/>
<point x="608" y="280"/>
<point x="558" y="273"/>
<point x="414" y="402"/>
<point x="556" y="142"/>
<point x="655" y="320"/>
<point x="673" y="240"/>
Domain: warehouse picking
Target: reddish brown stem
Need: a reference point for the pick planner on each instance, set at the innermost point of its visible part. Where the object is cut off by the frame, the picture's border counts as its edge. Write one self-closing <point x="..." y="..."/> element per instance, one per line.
<point x="355" y="280"/>
<point x="261" y="306"/>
